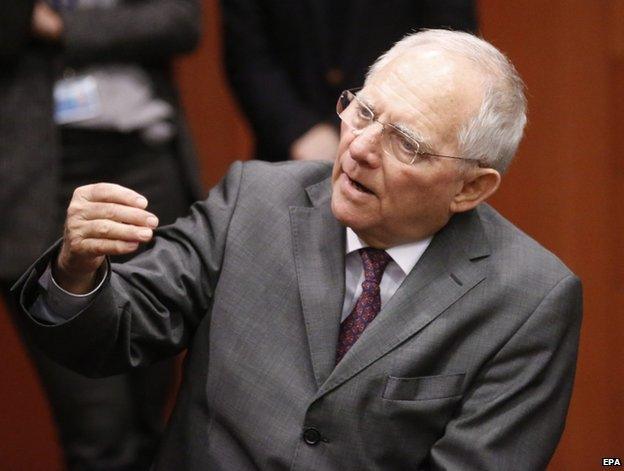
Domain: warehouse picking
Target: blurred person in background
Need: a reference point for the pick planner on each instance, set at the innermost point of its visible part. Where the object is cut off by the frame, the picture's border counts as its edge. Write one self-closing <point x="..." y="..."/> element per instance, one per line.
<point x="288" y="61"/>
<point x="87" y="96"/>
<point x="28" y="141"/>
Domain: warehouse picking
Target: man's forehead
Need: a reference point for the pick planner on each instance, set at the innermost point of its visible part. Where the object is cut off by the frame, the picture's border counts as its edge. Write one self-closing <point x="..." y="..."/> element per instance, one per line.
<point x="429" y="90"/>
<point x="430" y="63"/>
<point x="429" y="73"/>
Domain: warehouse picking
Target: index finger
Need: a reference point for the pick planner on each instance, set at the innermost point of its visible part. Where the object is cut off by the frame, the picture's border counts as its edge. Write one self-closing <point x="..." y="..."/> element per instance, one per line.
<point x="112" y="193"/>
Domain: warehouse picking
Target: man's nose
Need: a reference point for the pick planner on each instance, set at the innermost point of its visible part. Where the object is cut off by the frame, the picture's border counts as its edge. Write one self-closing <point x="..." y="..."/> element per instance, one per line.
<point x="366" y="145"/>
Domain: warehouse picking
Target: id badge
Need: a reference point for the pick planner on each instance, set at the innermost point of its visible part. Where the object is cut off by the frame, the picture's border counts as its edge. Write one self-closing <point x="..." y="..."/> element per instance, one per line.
<point x="76" y="99"/>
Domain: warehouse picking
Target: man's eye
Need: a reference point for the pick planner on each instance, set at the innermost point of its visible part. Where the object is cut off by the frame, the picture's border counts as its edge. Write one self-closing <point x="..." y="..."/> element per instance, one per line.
<point x="362" y="113"/>
<point x="407" y="145"/>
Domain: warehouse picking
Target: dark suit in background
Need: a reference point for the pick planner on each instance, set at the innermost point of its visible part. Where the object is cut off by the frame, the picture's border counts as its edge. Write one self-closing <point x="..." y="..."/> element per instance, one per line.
<point x="287" y="62"/>
<point x="29" y="158"/>
<point x="114" y="423"/>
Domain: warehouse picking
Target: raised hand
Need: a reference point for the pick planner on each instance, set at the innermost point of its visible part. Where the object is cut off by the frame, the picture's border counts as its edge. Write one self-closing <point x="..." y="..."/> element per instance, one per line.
<point x="102" y="219"/>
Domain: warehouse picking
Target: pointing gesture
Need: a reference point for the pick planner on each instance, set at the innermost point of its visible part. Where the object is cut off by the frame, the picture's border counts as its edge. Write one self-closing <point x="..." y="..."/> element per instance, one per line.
<point x="102" y="219"/>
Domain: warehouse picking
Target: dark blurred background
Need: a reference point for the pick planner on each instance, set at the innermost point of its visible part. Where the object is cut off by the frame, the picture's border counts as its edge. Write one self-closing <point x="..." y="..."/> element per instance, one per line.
<point x="566" y="189"/>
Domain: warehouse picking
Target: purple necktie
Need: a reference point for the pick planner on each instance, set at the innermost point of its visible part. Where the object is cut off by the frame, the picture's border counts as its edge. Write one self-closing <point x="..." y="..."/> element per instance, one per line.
<point x="369" y="302"/>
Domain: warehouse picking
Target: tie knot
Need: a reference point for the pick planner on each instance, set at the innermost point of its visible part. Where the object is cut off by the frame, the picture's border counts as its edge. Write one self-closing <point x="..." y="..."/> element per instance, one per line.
<point x="374" y="261"/>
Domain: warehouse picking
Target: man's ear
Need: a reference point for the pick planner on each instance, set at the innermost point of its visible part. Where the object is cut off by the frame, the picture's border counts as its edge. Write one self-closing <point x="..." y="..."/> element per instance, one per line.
<point x="479" y="185"/>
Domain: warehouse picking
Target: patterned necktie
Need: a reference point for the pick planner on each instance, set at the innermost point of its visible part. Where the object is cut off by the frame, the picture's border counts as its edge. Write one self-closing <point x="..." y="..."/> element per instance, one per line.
<point x="369" y="302"/>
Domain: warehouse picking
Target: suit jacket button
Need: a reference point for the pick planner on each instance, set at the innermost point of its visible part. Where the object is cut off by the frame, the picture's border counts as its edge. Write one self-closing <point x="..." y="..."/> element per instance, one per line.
<point x="312" y="436"/>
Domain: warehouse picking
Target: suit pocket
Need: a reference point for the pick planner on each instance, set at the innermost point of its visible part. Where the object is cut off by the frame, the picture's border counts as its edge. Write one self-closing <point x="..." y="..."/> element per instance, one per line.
<point x="423" y="387"/>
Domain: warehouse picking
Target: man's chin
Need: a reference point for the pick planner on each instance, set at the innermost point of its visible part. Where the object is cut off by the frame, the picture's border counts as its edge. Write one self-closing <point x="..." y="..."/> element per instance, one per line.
<point x="347" y="215"/>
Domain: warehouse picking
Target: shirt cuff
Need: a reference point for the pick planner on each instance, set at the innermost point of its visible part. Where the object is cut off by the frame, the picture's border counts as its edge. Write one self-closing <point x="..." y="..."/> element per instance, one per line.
<point x="54" y="305"/>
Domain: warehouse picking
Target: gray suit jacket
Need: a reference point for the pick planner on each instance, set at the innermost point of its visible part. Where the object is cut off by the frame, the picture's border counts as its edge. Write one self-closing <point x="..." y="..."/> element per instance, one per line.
<point x="469" y="366"/>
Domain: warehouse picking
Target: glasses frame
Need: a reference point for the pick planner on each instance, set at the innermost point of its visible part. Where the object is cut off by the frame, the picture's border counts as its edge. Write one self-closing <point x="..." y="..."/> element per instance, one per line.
<point x="374" y="119"/>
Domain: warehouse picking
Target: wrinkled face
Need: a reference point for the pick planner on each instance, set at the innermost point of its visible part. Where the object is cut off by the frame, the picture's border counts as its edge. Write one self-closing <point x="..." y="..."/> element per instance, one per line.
<point x="387" y="202"/>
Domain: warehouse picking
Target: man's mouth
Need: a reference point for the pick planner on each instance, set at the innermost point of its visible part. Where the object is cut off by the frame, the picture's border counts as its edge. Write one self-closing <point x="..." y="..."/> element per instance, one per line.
<point x="359" y="186"/>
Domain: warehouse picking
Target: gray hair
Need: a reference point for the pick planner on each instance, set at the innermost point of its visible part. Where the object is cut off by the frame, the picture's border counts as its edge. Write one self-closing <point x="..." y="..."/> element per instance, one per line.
<point x="493" y="134"/>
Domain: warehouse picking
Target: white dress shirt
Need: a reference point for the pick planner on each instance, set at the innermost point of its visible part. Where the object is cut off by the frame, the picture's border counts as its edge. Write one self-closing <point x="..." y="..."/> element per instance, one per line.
<point x="404" y="258"/>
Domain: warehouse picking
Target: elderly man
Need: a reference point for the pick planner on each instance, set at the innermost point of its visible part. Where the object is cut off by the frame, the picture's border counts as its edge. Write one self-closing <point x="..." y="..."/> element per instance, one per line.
<point x="374" y="316"/>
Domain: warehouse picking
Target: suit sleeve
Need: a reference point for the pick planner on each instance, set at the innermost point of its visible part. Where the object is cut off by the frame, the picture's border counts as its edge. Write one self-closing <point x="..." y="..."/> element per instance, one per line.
<point x="514" y="412"/>
<point x="15" y="19"/>
<point x="148" y="308"/>
<point x="134" y="31"/>
<point x="261" y="84"/>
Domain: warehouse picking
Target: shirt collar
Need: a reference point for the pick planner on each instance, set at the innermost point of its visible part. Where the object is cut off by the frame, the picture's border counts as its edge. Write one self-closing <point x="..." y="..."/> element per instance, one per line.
<point x="405" y="255"/>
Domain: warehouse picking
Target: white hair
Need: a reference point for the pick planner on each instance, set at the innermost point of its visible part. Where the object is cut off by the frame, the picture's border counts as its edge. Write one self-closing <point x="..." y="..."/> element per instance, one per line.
<point x="493" y="134"/>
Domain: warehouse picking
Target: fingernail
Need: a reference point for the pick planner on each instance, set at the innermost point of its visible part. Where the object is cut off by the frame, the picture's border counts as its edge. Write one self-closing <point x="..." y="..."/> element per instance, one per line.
<point x="141" y="201"/>
<point x="152" y="221"/>
<point x="145" y="233"/>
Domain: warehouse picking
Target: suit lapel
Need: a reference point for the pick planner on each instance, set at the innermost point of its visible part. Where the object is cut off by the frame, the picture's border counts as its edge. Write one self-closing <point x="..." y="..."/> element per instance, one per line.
<point x="446" y="271"/>
<point x="318" y="242"/>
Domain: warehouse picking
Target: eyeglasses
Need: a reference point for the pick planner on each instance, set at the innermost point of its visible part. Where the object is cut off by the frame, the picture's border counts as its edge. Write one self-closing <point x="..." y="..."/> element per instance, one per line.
<point x="394" y="142"/>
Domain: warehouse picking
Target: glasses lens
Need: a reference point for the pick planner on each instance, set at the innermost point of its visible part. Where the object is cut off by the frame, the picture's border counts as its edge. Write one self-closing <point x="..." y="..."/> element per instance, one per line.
<point x="353" y="112"/>
<point x="346" y="107"/>
<point x="399" y="145"/>
<point x="358" y="116"/>
<point x="343" y="102"/>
